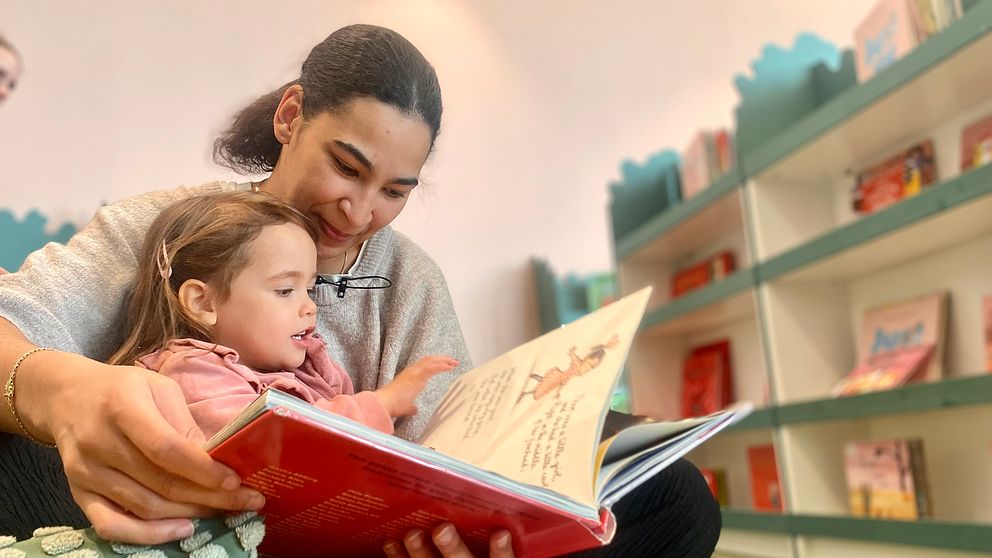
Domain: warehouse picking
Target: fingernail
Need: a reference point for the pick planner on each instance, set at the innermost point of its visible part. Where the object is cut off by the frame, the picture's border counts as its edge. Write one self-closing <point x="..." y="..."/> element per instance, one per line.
<point x="391" y="548"/>
<point x="231" y="482"/>
<point x="256" y="502"/>
<point x="502" y="540"/>
<point x="445" y="535"/>
<point x="415" y="540"/>
<point x="185" y="531"/>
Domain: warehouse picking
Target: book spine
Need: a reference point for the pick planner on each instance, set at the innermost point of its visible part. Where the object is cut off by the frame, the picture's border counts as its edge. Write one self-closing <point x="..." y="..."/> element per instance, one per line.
<point x="921" y="482"/>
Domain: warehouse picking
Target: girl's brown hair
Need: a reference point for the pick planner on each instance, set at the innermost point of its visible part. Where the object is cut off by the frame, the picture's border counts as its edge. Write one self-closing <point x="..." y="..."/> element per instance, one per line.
<point x="207" y="238"/>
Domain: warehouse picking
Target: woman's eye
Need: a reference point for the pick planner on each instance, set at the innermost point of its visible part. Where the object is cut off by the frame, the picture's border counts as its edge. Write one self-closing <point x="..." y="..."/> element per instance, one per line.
<point x="395" y="194"/>
<point x="345" y="169"/>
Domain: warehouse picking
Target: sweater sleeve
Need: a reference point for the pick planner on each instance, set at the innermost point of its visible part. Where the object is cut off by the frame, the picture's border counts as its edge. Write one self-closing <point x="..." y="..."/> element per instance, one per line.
<point x="363" y="407"/>
<point x="72" y="297"/>
<point x="216" y="388"/>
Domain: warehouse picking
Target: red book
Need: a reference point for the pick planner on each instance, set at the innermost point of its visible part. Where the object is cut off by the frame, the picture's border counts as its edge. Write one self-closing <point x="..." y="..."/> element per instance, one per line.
<point x="703" y="273"/>
<point x="766" y="492"/>
<point x="902" y="176"/>
<point x="976" y="143"/>
<point x="706" y="380"/>
<point x="518" y="443"/>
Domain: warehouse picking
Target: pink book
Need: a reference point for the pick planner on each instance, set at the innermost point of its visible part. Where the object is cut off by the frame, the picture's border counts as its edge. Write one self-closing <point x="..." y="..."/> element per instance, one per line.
<point x="884" y="36"/>
<point x="886" y="479"/>
<point x="898" y="326"/>
<point x="885" y="371"/>
<point x="696" y="166"/>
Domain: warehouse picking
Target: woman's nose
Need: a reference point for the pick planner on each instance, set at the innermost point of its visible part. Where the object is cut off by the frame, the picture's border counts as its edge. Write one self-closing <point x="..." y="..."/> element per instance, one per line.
<point x="357" y="210"/>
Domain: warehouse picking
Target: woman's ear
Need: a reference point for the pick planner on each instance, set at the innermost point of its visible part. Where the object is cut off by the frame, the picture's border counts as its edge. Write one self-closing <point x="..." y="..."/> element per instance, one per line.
<point x="198" y="301"/>
<point x="289" y="114"/>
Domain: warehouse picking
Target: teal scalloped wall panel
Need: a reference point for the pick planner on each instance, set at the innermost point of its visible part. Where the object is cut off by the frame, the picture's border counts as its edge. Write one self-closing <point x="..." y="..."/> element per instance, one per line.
<point x="787" y="85"/>
<point x="644" y="191"/>
<point x="20" y="238"/>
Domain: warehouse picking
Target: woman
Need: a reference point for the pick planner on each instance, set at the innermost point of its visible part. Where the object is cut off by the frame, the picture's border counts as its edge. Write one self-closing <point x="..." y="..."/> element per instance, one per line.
<point x="345" y="144"/>
<point x="10" y="68"/>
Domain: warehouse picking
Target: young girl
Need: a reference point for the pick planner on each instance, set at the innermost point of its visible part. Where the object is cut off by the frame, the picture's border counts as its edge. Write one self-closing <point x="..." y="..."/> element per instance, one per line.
<point x="222" y="305"/>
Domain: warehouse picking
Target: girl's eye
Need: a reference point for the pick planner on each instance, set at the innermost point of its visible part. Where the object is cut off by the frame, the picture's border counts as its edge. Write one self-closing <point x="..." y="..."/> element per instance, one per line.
<point x="284" y="292"/>
<point x="312" y="293"/>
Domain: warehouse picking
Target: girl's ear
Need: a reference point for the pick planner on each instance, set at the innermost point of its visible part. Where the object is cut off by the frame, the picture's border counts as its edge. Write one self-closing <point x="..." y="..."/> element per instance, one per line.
<point x="198" y="301"/>
<point x="289" y="114"/>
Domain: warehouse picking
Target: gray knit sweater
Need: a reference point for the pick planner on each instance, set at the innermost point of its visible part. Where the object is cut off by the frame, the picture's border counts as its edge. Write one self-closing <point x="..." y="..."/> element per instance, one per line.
<point x="73" y="298"/>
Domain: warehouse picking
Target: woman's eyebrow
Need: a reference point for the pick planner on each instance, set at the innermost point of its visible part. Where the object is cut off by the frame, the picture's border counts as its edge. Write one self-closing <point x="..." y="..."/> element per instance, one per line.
<point x="369" y="167"/>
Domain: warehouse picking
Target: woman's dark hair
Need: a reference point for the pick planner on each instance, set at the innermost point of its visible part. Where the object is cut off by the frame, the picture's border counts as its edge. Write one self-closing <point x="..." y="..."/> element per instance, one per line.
<point x="354" y="61"/>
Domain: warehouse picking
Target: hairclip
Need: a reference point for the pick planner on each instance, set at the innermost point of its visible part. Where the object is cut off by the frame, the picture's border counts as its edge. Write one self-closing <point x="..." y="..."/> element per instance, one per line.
<point x="164" y="266"/>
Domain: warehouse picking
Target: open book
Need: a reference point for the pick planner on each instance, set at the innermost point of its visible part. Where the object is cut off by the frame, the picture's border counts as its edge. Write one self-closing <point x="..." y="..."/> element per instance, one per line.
<point x="525" y="442"/>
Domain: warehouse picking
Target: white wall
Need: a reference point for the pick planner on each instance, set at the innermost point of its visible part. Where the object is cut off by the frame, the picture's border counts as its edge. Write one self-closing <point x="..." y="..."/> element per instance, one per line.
<point x="542" y="102"/>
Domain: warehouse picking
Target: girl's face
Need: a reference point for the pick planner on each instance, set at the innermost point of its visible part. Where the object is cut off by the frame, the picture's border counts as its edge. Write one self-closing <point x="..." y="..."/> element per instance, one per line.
<point x="10" y="72"/>
<point x="351" y="171"/>
<point x="269" y="313"/>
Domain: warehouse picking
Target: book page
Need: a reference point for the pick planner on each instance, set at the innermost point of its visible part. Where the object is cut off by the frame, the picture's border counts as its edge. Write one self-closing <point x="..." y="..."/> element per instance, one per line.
<point x="534" y="414"/>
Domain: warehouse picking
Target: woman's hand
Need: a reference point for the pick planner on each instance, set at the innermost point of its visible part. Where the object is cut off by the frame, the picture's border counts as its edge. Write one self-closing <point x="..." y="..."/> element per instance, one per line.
<point x="131" y="451"/>
<point x="448" y="542"/>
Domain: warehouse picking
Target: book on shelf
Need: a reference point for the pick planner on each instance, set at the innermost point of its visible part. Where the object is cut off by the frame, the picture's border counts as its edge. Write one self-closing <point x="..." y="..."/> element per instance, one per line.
<point x="976" y="143"/>
<point x="901" y="176"/>
<point x="893" y="28"/>
<point x="899" y="342"/>
<point x="525" y="442"/>
<point x="716" y="480"/>
<point x="887" y="479"/>
<point x="885" y="35"/>
<point x="703" y="273"/>
<point x="708" y="156"/>
<point x="987" y="329"/>
<point x="766" y="491"/>
<point x="707" y="379"/>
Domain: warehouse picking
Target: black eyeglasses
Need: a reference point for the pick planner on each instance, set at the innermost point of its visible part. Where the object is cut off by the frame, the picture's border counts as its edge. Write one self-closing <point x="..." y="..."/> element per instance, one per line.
<point x="345" y="282"/>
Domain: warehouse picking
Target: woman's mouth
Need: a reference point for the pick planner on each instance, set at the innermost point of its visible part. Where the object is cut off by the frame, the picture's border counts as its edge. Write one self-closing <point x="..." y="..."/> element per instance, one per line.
<point x="332" y="233"/>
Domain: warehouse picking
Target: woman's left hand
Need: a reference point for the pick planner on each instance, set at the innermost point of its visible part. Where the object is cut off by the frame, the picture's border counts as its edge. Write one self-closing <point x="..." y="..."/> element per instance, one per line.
<point x="448" y="542"/>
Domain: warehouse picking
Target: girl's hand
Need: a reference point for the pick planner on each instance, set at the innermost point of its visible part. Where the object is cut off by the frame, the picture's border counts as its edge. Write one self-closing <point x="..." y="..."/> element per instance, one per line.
<point x="131" y="451"/>
<point x="398" y="396"/>
<point x="448" y="542"/>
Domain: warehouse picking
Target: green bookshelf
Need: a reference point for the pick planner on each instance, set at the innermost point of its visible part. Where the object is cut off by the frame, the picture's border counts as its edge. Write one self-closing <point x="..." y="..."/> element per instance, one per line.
<point x="934" y="52"/>
<point x="914" y="398"/>
<point x="678" y="214"/>
<point x="755" y="521"/>
<point x="722" y="291"/>
<point x="923" y="533"/>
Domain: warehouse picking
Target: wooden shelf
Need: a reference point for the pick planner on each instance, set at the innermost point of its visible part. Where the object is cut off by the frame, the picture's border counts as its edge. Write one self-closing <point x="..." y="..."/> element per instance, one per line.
<point x="925" y="88"/>
<point x="708" y="215"/>
<point x="755" y="521"/>
<point x="722" y="302"/>
<point x="923" y="533"/>
<point x="942" y="216"/>
<point x="957" y="392"/>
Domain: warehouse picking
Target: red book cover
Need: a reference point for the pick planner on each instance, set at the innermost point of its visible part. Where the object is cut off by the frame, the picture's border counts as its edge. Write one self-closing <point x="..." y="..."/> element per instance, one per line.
<point x="706" y="380"/>
<point x="976" y="143"/>
<point x="716" y="480"/>
<point x="517" y="443"/>
<point x="887" y="479"/>
<point x="902" y="176"/>
<point x="330" y="493"/>
<point x="703" y="273"/>
<point x="766" y="492"/>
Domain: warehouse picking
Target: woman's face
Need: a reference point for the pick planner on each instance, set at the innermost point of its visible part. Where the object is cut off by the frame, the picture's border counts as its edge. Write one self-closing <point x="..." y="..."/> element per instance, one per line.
<point x="10" y="72"/>
<point x="351" y="171"/>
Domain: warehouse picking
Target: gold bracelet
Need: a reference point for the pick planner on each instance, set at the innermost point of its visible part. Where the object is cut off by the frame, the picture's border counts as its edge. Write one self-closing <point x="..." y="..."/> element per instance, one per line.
<point x="8" y="394"/>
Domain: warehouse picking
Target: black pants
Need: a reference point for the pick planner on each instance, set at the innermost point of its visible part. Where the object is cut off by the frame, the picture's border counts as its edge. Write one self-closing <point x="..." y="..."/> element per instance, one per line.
<point x="672" y="515"/>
